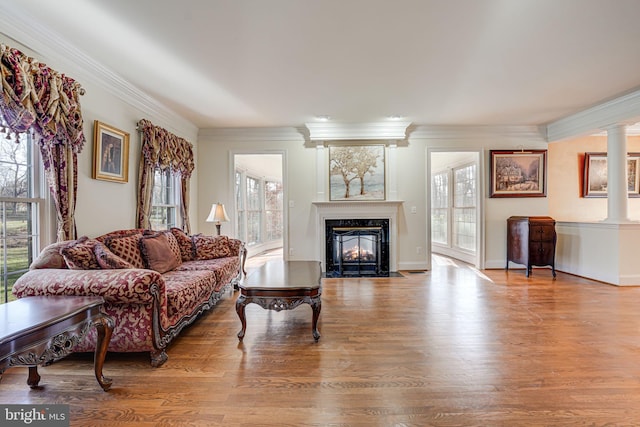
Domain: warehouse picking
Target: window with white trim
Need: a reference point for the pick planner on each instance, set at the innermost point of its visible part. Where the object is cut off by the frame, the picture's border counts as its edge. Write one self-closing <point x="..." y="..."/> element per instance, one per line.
<point x="464" y="208"/>
<point x="165" y="200"/>
<point x="21" y="207"/>
<point x="440" y="208"/>
<point x="254" y="210"/>
<point x="273" y="209"/>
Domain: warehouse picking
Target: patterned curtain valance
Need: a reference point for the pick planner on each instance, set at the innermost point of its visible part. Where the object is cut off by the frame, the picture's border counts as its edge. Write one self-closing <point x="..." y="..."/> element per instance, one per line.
<point x="36" y="97"/>
<point x="162" y="149"/>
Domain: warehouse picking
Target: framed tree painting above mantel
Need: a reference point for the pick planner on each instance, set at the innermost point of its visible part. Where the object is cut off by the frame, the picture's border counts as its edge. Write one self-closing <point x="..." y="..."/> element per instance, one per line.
<point x="519" y="173"/>
<point x="356" y="172"/>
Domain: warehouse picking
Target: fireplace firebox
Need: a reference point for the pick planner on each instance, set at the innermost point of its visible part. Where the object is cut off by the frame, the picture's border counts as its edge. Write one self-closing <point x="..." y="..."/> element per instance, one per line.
<point x="357" y="247"/>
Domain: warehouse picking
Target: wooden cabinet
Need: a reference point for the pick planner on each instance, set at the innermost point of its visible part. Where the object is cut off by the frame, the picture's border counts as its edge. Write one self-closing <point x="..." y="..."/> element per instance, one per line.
<point x="531" y="241"/>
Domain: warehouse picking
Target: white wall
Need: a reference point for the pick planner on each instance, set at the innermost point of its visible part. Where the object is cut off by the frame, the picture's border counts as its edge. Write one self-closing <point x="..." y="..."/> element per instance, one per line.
<point x="216" y="147"/>
<point x="104" y="206"/>
<point x="566" y="173"/>
<point x="483" y="139"/>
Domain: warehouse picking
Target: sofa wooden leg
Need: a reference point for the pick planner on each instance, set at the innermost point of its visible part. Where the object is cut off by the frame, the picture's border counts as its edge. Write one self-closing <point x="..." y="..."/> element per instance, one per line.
<point x="158" y="358"/>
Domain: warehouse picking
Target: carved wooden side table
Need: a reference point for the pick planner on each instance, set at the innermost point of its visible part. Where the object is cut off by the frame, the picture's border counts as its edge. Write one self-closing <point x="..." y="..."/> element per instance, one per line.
<point x="41" y="329"/>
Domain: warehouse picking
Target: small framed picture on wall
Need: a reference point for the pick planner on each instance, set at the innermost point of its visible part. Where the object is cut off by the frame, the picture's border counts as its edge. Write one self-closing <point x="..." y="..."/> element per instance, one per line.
<point x="110" y="153"/>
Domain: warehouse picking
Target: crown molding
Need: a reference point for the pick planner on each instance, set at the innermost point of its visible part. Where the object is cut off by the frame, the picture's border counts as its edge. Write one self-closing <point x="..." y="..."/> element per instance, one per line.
<point x="477" y="132"/>
<point x="391" y="130"/>
<point x="51" y="46"/>
<point x="622" y="110"/>
<point x="261" y="134"/>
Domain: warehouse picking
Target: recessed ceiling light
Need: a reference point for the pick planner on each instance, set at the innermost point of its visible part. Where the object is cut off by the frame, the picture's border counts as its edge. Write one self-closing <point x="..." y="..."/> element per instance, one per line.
<point x="395" y="117"/>
<point x="323" y="118"/>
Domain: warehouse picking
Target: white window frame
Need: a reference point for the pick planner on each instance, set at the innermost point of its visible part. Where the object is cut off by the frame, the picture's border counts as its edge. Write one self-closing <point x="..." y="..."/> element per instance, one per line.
<point x="174" y="186"/>
<point x="42" y="222"/>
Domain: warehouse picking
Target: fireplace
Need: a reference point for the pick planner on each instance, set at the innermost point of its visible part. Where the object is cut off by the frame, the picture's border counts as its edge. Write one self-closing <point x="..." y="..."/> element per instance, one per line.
<point x="357" y="247"/>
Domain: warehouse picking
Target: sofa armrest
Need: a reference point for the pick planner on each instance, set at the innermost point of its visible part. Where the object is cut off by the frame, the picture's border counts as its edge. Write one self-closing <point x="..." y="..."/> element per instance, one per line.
<point x="123" y="286"/>
<point x="236" y="246"/>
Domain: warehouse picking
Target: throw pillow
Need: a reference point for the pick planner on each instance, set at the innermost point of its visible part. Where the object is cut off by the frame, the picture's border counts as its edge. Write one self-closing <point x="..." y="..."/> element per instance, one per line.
<point x="127" y="248"/>
<point x="108" y="260"/>
<point x="173" y="245"/>
<point x="157" y="254"/>
<point x="50" y="257"/>
<point x="210" y="247"/>
<point x="79" y="254"/>
<point x="185" y="243"/>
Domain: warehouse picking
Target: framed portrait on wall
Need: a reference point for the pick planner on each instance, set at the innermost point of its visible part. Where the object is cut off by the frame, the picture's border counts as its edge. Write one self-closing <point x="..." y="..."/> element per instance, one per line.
<point x="356" y="172"/>
<point x="518" y="173"/>
<point x="110" y="153"/>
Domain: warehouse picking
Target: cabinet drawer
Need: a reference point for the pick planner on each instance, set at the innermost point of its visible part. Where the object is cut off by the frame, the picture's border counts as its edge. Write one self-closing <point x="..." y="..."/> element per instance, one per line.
<point x="542" y="253"/>
<point x="541" y="233"/>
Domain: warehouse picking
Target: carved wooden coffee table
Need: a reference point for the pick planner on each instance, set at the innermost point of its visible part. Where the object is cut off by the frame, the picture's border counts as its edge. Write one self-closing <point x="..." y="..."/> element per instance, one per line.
<point x="41" y="329"/>
<point x="282" y="285"/>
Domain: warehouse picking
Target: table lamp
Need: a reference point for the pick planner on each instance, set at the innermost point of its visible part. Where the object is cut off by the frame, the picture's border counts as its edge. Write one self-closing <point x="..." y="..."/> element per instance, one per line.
<point x="218" y="214"/>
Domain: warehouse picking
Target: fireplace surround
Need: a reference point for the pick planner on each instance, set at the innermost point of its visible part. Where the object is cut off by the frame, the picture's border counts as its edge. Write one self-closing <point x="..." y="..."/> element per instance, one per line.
<point x="357" y="247"/>
<point x="345" y="210"/>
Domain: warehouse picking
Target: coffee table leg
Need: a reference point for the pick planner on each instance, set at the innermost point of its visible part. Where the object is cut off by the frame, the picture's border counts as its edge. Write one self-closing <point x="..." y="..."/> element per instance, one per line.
<point x="316" y="306"/>
<point x="104" y="326"/>
<point x="240" y="305"/>
<point x="34" y="377"/>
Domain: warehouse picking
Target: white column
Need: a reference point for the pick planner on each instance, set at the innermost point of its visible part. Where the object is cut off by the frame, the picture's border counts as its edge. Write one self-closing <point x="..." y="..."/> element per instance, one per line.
<point x="617" y="190"/>
<point x="321" y="172"/>
<point x="392" y="178"/>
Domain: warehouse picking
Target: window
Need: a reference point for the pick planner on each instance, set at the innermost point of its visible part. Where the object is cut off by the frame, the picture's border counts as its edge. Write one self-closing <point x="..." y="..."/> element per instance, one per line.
<point x="440" y="207"/>
<point x="20" y="188"/>
<point x="464" y="208"/>
<point x="165" y="198"/>
<point x="273" y="209"/>
<point x="254" y="210"/>
<point x="240" y="210"/>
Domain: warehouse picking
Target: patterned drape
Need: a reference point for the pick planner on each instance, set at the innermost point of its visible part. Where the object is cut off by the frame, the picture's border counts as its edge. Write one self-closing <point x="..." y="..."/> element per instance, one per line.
<point x="164" y="150"/>
<point x="41" y="99"/>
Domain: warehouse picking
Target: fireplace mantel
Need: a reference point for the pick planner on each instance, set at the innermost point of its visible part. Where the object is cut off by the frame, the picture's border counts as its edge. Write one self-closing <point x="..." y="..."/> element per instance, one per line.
<point x="387" y="209"/>
<point x="360" y="203"/>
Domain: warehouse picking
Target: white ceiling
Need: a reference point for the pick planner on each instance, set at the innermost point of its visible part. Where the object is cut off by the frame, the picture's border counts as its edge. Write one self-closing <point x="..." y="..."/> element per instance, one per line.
<point x="239" y="63"/>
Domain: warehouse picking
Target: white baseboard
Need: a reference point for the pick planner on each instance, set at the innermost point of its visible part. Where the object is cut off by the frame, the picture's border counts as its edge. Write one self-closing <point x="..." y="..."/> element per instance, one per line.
<point x="412" y="266"/>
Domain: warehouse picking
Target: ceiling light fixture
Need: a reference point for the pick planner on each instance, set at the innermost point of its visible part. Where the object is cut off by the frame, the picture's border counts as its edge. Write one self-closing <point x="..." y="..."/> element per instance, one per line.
<point x="395" y="117"/>
<point x="323" y="118"/>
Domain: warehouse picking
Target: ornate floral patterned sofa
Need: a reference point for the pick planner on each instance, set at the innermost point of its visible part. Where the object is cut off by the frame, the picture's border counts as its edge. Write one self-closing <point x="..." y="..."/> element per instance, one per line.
<point x="154" y="283"/>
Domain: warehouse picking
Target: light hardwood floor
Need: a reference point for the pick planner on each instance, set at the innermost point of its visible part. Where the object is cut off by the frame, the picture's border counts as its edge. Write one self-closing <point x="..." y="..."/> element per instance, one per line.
<point x="449" y="347"/>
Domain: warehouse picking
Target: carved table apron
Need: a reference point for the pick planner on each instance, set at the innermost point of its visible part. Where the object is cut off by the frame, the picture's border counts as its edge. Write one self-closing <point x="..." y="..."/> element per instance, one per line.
<point x="282" y="285"/>
<point x="41" y="329"/>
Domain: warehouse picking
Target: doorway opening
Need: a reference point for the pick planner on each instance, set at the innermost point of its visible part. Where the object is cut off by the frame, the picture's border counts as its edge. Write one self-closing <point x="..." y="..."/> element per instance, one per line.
<point x="259" y="193"/>
<point x="455" y="214"/>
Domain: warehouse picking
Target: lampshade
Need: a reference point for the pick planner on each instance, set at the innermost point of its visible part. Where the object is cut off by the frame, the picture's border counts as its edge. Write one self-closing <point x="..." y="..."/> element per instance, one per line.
<point x="217" y="214"/>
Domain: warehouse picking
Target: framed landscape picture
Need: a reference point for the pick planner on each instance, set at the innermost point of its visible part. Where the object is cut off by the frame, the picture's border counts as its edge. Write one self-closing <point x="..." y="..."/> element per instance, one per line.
<point x="595" y="180"/>
<point x="518" y="173"/>
<point x="356" y="172"/>
<point x="110" y="153"/>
